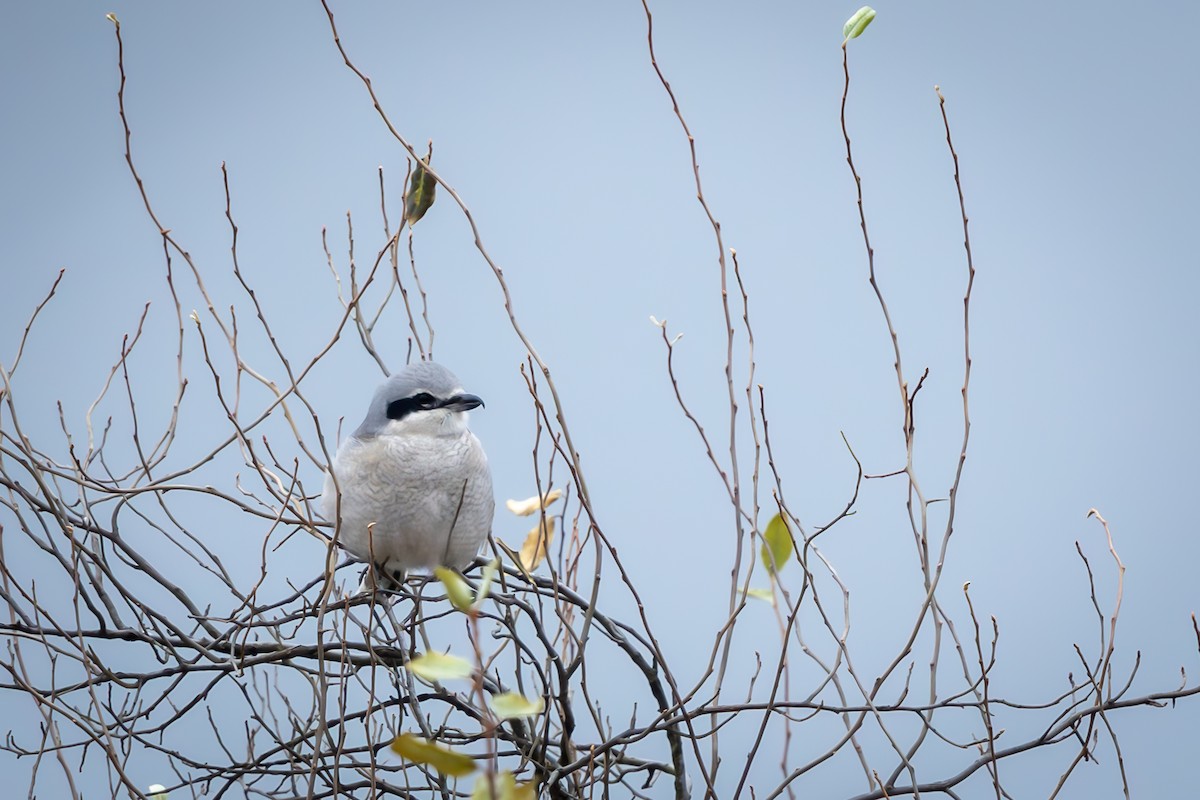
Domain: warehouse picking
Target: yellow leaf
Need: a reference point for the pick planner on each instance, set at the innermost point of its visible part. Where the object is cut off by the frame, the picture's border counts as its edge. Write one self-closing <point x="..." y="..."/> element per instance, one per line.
<point x="777" y="544"/>
<point x="507" y="788"/>
<point x="511" y="704"/>
<point x="456" y="588"/>
<point x="413" y="748"/>
<point x="434" y="666"/>
<point x="504" y="783"/>
<point x="523" y="508"/>
<point x="533" y="551"/>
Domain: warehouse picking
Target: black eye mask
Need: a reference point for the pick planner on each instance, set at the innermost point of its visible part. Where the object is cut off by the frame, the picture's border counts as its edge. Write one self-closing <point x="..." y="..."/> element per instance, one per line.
<point x="423" y="401"/>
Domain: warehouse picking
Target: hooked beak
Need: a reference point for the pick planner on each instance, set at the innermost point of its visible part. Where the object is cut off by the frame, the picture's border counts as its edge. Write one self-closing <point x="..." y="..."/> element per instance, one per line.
<point x="462" y="402"/>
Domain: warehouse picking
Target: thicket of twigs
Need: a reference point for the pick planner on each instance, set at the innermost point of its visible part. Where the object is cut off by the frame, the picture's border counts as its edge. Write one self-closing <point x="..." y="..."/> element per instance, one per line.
<point x="137" y="648"/>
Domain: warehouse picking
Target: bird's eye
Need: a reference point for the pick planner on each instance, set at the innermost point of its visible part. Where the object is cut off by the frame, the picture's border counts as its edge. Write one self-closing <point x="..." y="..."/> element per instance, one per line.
<point x="422" y="401"/>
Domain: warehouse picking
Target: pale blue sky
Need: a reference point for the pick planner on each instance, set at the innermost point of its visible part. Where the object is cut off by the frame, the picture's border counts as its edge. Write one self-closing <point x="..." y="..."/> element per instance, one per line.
<point x="1075" y="125"/>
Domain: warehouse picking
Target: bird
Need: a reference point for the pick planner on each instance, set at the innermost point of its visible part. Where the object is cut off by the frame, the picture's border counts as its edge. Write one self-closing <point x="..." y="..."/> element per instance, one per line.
<point x="413" y="489"/>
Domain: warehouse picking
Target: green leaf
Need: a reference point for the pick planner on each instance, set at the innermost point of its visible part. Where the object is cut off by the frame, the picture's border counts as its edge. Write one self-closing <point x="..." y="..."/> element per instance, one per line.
<point x="766" y="595"/>
<point x="485" y="583"/>
<point x="858" y="23"/>
<point x="413" y="748"/>
<point x="421" y="190"/>
<point x="511" y="704"/>
<point x="456" y="588"/>
<point x="436" y="666"/>
<point x="777" y="544"/>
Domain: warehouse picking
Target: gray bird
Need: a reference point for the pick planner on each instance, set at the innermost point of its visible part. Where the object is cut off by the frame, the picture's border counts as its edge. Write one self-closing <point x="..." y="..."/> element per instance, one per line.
<point x="414" y="470"/>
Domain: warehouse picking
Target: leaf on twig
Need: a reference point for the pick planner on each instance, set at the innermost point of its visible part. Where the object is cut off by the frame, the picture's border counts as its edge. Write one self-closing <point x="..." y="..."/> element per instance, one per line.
<point x="533" y="551"/>
<point x="777" y="544"/>
<point x="456" y="588"/>
<point x="523" y="508"/>
<point x="511" y="704"/>
<point x="766" y="595"/>
<point x="485" y="583"/>
<point x="421" y="190"/>
<point x="506" y="788"/>
<point x="858" y="23"/>
<point x="413" y="748"/>
<point x="434" y="666"/>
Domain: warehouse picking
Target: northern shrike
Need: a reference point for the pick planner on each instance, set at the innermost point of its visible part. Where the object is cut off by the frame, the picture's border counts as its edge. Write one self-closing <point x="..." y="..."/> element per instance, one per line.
<point x="416" y="491"/>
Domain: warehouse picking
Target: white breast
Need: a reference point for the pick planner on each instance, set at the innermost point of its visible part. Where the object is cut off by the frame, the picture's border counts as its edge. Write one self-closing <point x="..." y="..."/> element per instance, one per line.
<point x="429" y="497"/>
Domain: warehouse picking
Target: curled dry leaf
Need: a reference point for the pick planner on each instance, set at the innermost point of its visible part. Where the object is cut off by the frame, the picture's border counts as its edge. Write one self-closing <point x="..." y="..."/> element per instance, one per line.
<point x="523" y="508"/>
<point x="533" y="551"/>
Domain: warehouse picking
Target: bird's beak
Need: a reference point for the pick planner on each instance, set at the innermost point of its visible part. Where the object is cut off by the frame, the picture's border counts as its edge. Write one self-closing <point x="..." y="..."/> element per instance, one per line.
<point x="462" y="402"/>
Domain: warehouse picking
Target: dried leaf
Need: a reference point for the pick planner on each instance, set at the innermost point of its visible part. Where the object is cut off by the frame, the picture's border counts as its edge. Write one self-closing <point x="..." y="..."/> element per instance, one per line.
<point x="510" y="705"/>
<point x="523" y="508"/>
<point x="533" y="551"/>
<point x="413" y="748"/>
<point x="436" y="666"/>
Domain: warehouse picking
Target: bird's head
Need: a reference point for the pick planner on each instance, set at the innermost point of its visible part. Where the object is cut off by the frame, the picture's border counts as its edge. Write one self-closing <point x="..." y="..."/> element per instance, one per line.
<point x="422" y="399"/>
